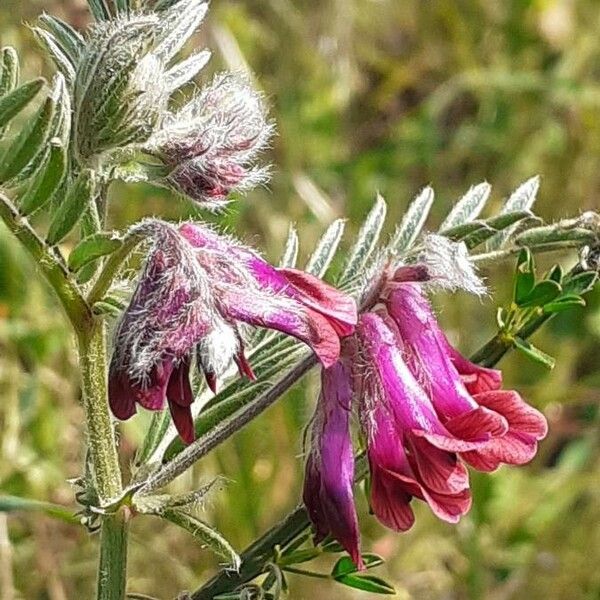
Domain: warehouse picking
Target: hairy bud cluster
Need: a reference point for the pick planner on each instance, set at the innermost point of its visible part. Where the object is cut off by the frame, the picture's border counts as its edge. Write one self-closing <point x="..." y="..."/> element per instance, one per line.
<point x="210" y="144"/>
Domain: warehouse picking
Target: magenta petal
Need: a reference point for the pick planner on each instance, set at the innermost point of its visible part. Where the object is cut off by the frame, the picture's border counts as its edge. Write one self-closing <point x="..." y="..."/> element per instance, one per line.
<point x="184" y="423"/>
<point x="328" y="486"/>
<point x="476" y="379"/>
<point x="338" y="307"/>
<point x="390" y="501"/>
<point x="121" y="396"/>
<point x="179" y="389"/>
<point x="152" y="396"/>
<point x="305" y="324"/>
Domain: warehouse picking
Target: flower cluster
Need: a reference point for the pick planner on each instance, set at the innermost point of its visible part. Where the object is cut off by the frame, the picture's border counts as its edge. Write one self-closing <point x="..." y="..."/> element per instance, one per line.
<point x="196" y="288"/>
<point x="424" y="411"/>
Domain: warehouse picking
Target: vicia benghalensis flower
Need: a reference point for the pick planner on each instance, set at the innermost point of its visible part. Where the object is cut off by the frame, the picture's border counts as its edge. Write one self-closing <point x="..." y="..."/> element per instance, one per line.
<point x="424" y="410"/>
<point x="195" y="289"/>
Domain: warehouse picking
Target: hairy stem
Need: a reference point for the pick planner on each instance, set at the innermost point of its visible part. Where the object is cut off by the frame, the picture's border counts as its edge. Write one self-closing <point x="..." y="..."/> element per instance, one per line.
<point x="53" y="269"/>
<point x="112" y="567"/>
<point x="104" y="460"/>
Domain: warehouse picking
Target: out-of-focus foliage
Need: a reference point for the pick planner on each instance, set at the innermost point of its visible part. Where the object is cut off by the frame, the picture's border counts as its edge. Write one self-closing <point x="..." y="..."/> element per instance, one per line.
<point x="368" y="95"/>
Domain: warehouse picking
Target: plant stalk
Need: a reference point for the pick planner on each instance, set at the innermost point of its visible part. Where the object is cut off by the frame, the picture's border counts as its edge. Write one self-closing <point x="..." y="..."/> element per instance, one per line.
<point x="104" y="460"/>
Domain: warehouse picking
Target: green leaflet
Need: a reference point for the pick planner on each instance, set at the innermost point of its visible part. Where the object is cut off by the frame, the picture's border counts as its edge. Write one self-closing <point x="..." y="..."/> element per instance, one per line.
<point x="14" y="102"/>
<point x="29" y="143"/>
<point x="413" y="221"/>
<point x="205" y="534"/>
<point x="92" y="248"/>
<point x="47" y="179"/>
<point x="72" y="208"/>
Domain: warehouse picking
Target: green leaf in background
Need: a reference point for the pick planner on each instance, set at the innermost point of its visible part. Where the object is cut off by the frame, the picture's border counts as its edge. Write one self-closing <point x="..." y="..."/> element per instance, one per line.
<point x="413" y="221"/>
<point x="550" y="234"/>
<point x="555" y="274"/>
<point x="9" y="70"/>
<point x="367" y="583"/>
<point x="99" y="9"/>
<point x="534" y="353"/>
<point x="47" y="180"/>
<point x="9" y="504"/>
<point x="467" y="209"/>
<point x="459" y="232"/>
<point x="78" y="199"/>
<point x="346" y="566"/>
<point x="92" y="248"/>
<point x="14" y="102"/>
<point x="205" y="534"/>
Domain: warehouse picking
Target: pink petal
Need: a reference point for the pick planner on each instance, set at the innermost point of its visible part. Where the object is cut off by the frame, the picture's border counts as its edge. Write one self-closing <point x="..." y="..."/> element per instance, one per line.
<point x="390" y="501"/>
<point x="184" y="423"/>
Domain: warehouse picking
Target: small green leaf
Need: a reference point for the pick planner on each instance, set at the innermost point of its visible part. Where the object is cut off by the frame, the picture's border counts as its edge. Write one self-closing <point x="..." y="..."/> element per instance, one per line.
<point x="555" y="274"/>
<point x="205" y="534"/>
<point x="321" y="258"/>
<point x="346" y="566"/>
<point x="290" y="252"/>
<point x="14" y="102"/>
<point x="299" y="556"/>
<point x="467" y="208"/>
<point x="29" y="143"/>
<point x="99" y="9"/>
<point x="366" y="242"/>
<point x="332" y="546"/>
<point x="460" y="232"/>
<point x="92" y="248"/>
<point x="367" y="583"/>
<point x="522" y="199"/>
<point x="9" y="70"/>
<point x="413" y="221"/>
<point x="51" y="48"/>
<point x="501" y="317"/>
<point x="525" y="276"/>
<point x="47" y="179"/>
<point x="581" y="283"/>
<point x="70" y="40"/>
<point x="534" y="353"/>
<point x="550" y="234"/>
<point x="71" y="209"/>
<point x="493" y="226"/>
<point x="564" y="303"/>
<point x="542" y="293"/>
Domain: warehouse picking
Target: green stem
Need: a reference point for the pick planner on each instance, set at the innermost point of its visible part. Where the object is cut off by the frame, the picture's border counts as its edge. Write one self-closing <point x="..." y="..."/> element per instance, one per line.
<point x="105" y="461"/>
<point x="112" y="267"/>
<point x="112" y="567"/>
<point x="51" y="267"/>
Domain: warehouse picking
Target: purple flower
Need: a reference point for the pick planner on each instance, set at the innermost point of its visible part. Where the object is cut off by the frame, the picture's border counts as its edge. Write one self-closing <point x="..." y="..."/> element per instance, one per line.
<point x="195" y="289"/>
<point x="250" y="290"/>
<point x="423" y="410"/>
<point x="210" y="145"/>
<point x="410" y="451"/>
<point x="330" y="465"/>
<point x="467" y="398"/>
<point x="170" y="311"/>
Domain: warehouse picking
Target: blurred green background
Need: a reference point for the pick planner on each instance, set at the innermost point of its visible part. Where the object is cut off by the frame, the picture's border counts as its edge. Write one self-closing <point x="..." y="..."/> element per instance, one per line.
<point x="368" y="95"/>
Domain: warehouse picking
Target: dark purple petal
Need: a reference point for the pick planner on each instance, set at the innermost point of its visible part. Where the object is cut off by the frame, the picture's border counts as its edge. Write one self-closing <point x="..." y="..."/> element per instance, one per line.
<point x="329" y="479"/>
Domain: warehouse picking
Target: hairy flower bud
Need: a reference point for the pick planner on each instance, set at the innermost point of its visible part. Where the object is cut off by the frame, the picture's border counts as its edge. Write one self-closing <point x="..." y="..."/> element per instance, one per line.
<point x="210" y="145"/>
<point x="118" y="90"/>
